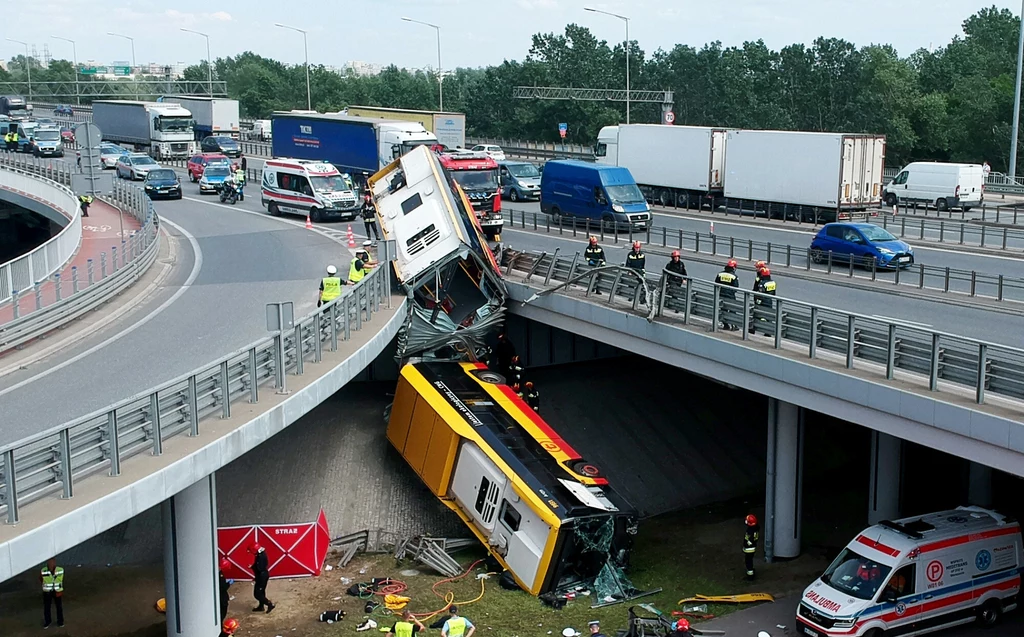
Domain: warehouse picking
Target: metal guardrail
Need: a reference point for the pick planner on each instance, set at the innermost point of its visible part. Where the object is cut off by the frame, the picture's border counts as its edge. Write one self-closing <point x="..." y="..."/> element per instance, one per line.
<point x="918" y="275"/>
<point x="536" y="150"/>
<point x="55" y="461"/>
<point x="982" y="367"/>
<point x="22" y="272"/>
<point x="76" y="297"/>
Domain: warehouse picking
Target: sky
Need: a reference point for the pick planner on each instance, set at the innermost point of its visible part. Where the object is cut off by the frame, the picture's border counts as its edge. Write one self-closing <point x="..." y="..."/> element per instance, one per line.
<point x="473" y="32"/>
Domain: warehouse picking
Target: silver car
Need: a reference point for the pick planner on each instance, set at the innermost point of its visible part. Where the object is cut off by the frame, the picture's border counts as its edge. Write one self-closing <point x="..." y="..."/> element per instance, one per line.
<point x="109" y="154"/>
<point x="135" y="166"/>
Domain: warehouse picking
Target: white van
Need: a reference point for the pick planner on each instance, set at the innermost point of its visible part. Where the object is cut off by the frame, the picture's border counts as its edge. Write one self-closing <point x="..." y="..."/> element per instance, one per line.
<point x="305" y="187"/>
<point x="938" y="184"/>
<point x="917" y="575"/>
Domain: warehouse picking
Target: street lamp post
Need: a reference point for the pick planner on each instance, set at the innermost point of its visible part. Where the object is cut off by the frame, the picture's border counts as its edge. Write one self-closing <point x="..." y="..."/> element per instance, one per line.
<point x="132" y="40"/>
<point x="440" y="73"/>
<point x="305" y="49"/>
<point x="1016" y="99"/>
<point x="28" y="66"/>
<point x="74" y="54"/>
<point x="626" y="45"/>
<point x="209" y="61"/>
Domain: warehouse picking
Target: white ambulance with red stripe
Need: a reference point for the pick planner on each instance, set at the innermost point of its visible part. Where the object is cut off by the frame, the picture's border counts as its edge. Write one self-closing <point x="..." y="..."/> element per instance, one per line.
<point x="306" y="187"/>
<point x="918" y="575"/>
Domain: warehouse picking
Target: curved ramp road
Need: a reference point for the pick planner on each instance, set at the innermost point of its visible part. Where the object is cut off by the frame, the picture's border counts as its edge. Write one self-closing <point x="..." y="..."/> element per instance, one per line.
<point x="238" y="262"/>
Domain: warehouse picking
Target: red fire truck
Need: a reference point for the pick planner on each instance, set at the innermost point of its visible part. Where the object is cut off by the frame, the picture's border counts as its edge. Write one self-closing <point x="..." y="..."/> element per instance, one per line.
<point x="477" y="174"/>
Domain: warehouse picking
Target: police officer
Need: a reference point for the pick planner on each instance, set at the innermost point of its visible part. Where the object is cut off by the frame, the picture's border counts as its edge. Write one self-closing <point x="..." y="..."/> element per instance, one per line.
<point x="406" y="626"/>
<point x="8" y="138"/>
<point x="457" y="626"/>
<point x="763" y="305"/>
<point x="84" y="201"/>
<point x="261" y="577"/>
<point x="727" y="277"/>
<point x="360" y="266"/>
<point x="225" y="584"/>
<point x="532" y="396"/>
<point x="240" y="182"/>
<point x="370" y="217"/>
<point x="330" y="286"/>
<point x="52" y="579"/>
<point x="750" y="537"/>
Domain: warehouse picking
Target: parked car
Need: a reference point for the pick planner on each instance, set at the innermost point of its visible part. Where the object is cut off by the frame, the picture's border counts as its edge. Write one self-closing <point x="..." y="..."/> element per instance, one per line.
<point x="213" y="178"/>
<point x="63" y="109"/>
<point x="110" y="154"/>
<point x="67" y="134"/>
<point x="496" y="153"/>
<point x="199" y="162"/>
<point x="220" y="144"/>
<point x="863" y="243"/>
<point x="135" y="166"/>
<point x="163" y="182"/>
<point x="519" y="180"/>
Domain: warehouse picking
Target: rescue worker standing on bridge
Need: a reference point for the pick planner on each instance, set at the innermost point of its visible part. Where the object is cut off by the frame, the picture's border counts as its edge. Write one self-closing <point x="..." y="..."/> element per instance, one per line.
<point x="261" y="577"/>
<point x="330" y="286"/>
<point x="750" y="537"/>
<point x="763" y="305"/>
<point x="726" y="296"/>
<point x="360" y="266"/>
<point x="675" y="270"/>
<point x="594" y="254"/>
<point x="52" y="579"/>
<point x="760" y="265"/>
<point x="637" y="260"/>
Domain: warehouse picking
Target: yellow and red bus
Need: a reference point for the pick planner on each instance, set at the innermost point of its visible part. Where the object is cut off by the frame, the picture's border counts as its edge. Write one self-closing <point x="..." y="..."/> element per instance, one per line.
<point x="545" y="513"/>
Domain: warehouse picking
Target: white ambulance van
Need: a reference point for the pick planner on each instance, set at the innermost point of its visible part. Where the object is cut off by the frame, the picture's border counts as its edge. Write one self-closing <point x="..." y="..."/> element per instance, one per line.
<point x="918" y="575"/>
<point x="314" y="188"/>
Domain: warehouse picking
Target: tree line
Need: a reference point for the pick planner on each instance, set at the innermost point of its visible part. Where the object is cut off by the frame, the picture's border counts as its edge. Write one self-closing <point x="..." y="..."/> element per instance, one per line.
<point x="953" y="103"/>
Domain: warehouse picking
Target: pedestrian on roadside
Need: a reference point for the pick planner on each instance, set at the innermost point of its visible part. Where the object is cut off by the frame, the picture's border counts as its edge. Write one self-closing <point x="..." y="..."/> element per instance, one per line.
<point x="52" y="579"/>
<point x="225" y="584"/>
<point x="261" y="577"/>
<point x="457" y="626"/>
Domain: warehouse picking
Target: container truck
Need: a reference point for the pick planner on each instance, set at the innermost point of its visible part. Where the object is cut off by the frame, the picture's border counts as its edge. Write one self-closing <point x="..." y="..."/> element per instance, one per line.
<point x="160" y="129"/>
<point x="212" y="115"/>
<point x="793" y="174"/>
<point x="356" y="145"/>
<point x="449" y="128"/>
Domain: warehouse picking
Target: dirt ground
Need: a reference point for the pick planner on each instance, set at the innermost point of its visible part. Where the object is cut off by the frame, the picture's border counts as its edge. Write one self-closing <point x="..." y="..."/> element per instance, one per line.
<point x="684" y="554"/>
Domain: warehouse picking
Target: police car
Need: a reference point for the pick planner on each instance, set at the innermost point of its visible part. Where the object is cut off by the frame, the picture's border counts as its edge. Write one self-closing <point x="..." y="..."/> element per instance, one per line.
<point x="918" y="575"/>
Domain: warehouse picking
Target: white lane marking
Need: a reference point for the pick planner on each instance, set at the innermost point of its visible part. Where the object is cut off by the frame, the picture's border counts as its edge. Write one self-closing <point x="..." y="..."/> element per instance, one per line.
<point x="196" y="267"/>
<point x="926" y="245"/>
<point x="901" y="321"/>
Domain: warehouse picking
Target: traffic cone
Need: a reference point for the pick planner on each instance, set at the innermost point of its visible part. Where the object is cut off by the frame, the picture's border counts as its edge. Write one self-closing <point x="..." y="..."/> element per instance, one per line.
<point x="309" y="223"/>
<point x="351" y="238"/>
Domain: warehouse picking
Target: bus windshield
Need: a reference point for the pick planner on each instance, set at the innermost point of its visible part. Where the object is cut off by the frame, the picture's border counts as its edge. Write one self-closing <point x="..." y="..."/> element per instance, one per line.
<point x="856" y="575"/>
<point x="477" y="179"/>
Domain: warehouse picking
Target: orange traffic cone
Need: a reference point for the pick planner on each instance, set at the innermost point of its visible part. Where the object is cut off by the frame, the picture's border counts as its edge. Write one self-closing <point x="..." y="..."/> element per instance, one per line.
<point x="351" y="238"/>
<point x="309" y="223"/>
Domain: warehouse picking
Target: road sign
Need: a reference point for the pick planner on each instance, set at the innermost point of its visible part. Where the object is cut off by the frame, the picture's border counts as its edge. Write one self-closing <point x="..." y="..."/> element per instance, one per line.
<point x="563" y="129"/>
<point x="670" y="117"/>
<point x="94" y="183"/>
<point x="88" y="135"/>
<point x="88" y="70"/>
<point x="122" y="71"/>
<point x="90" y="180"/>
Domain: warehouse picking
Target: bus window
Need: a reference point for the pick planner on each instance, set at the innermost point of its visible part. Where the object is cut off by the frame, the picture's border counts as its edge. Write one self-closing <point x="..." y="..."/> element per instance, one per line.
<point x="509" y="516"/>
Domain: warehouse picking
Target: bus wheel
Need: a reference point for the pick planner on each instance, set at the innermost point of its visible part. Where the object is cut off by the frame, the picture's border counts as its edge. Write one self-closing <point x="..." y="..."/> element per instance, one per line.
<point x="273" y="209"/>
<point x="990" y="613"/>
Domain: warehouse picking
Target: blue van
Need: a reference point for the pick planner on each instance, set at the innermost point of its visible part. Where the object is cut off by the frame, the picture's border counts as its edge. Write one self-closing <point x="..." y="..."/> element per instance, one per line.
<point x="601" y="193"/>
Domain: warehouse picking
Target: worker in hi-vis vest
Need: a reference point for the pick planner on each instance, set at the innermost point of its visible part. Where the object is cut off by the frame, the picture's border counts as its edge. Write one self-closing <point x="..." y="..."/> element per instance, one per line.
<point x="360" y="266"/>
<point x="52" y="579"/>
<point x="330" y="286"/>
<point x="406" y="626"/>
<point x="456" y="626"/>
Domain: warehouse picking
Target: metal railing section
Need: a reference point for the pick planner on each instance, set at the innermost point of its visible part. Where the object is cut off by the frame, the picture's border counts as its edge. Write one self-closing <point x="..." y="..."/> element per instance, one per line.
<point x="85" y="291"/>
<point x="22" y="272"/>
<point x="981" y="367"/>
<point x="918" y="275"/>
<point x="55" y="461"/>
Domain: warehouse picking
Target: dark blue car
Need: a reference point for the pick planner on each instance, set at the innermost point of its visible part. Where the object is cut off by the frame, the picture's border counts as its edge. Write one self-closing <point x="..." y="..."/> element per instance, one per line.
<point x="163" y="182"/>
<point x="862" y="243"/>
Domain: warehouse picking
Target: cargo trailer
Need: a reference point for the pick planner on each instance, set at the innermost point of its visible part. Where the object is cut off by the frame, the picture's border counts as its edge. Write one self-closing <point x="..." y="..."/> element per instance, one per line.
<point x="213" y="115"/>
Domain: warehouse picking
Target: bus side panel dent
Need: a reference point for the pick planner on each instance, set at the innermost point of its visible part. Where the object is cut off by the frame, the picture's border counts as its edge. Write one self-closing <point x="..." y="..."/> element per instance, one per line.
<point x="436" y="471"/>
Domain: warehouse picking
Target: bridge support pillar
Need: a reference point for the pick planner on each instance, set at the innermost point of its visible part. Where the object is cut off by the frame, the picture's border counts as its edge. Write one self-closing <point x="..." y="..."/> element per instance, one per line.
<point x="784" y="480"/>
<point x="979" y="489"/>
<point x="884" y="487"/>
<point x="190" y="561"/>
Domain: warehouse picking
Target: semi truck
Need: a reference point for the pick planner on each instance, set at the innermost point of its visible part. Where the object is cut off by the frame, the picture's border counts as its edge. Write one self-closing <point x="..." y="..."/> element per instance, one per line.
<point x="160" y="129"/>
<point x="449" y="128"/>
<point x="212" y="115"/>
<point x="356" y="145"/>
<point x="792" y="174"/>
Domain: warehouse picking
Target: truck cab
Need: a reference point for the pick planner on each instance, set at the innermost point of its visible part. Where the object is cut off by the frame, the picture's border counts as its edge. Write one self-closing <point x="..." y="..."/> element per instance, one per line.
<point x="477" y="175"/>
<point x="606" y="195"/>
<point x="172" y="131"/>
<point x="398" y="138"/>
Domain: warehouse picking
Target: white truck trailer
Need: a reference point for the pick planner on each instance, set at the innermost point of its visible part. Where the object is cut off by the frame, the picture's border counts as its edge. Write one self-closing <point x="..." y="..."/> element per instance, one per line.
<point x="213" y="115"/>
<point x="449" y="128"/>
<point x="794" y="174"/>
<point x="160" y="129"/>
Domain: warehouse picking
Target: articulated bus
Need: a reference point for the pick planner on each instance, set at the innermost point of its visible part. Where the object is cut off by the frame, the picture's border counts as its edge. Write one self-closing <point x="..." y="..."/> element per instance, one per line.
<point x="543" y="512"/>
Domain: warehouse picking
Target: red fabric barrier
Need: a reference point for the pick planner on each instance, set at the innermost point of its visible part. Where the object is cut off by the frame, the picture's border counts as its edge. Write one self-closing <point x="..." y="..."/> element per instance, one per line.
<point x="293" y="550"/>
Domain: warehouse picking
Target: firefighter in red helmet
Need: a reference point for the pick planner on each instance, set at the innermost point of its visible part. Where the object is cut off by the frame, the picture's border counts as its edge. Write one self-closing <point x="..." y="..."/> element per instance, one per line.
<point x="225" y="584"/>
<point x="229" y="627"/>
<point x="636" y="260"/>
<point x="750" y="537"/>
<point x="675" y="271"/>
<point x="727" y="277"/>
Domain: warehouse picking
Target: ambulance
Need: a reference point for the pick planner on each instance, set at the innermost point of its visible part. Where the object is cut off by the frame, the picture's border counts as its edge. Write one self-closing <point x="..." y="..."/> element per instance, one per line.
<point x="305" y="187"/>
<point x="918" y="575"/>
